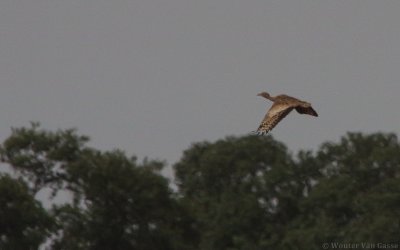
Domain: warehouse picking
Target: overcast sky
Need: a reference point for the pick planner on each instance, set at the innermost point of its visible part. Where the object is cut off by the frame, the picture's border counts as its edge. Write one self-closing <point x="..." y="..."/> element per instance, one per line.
<point x="153" y="76"/>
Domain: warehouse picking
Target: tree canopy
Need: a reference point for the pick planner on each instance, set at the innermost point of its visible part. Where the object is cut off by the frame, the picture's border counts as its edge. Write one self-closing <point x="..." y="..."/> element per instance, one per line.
<point x="236" y="193"/>
<point x="116" y="202"/>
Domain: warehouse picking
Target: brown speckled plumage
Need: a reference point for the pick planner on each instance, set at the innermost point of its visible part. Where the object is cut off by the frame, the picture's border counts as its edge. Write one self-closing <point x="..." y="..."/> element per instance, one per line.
<point x="283" y="105"/>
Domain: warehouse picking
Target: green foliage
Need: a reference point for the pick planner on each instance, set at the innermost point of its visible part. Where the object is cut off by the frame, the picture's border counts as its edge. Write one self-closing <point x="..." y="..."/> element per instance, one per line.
<point x="24" y="224"/>
<point x="116" y="203"/>
<point x="236" y="188"/>
<point x="249" y="193"/>
<point x="122" y="206"/>
<point x="41" y="156"/>
<point x="238" y="193"/>
<point x="357" y="197"/>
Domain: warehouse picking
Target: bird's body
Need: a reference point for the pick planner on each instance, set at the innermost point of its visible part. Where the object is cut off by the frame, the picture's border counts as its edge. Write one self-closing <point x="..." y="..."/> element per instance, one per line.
<point x="283" y="105"/>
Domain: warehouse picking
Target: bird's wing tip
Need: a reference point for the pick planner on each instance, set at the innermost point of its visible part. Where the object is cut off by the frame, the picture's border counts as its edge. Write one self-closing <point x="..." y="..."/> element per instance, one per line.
<point x="256" y="132"/>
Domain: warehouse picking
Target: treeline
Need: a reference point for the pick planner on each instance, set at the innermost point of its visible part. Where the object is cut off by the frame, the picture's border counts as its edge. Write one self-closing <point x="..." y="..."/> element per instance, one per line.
<point x="238" y="193"/>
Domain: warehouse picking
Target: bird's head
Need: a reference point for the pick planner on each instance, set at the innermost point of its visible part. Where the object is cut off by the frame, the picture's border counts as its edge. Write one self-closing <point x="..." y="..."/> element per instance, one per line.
<point x="264" y="94"/>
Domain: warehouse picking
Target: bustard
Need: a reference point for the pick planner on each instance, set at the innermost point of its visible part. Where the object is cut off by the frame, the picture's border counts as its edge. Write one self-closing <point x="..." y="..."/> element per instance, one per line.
<point x="282" y="106"/>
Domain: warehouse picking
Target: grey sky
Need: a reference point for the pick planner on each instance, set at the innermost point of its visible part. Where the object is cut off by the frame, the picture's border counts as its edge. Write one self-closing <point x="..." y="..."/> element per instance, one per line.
<point x="153" y="76"/>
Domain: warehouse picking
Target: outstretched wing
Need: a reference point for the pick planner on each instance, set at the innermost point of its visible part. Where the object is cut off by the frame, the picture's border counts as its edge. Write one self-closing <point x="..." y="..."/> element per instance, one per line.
<point x="307" y="111"/>
<point x="275" y="114"/>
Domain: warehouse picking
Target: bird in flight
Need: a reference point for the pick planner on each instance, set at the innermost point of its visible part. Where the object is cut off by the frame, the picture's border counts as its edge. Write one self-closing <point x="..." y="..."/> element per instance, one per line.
<point x="283" y="105"/>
